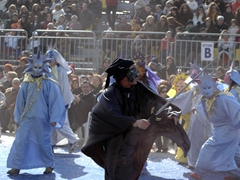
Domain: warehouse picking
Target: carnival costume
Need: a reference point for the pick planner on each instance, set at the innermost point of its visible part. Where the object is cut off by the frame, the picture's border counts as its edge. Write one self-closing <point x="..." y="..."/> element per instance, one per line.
<point x="38" y="104"/>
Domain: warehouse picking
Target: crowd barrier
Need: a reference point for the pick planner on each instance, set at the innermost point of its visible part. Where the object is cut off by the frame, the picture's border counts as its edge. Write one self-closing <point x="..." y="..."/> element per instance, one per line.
<point x="86" y="52"/>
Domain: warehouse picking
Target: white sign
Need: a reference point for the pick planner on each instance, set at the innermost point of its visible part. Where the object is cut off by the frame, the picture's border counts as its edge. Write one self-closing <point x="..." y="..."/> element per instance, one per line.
<point x="207" y="50"/>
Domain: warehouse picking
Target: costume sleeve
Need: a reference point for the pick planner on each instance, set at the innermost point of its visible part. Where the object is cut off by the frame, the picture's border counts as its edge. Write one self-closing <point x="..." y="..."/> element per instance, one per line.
<point x="231" y="108"/>
<point x="65" y="87"/>
<point x="20" y="102"/>
<point x="57" y="111"/>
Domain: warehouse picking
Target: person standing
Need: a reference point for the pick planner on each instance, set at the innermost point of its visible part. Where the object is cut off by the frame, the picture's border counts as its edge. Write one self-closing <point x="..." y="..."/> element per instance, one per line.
<point x="60" y="71"/>
<point x="111" y="7"/>
<point x="38" y="93"/>
<point x="120" y="134"/>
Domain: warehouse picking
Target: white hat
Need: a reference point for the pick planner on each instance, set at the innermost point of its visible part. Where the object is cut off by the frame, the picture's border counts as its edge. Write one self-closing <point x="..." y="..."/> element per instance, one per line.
<point x="109" y="29"/>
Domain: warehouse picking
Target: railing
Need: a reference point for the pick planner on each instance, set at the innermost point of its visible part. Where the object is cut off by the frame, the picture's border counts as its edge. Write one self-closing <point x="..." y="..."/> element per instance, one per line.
<point x="82" y="49"/>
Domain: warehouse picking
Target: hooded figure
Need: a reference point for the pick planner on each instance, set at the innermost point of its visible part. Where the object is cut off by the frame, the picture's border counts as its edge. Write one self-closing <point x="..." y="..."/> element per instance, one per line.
<point x="223" y="111"/>
<point x="39" y="107"/>
<point x="120" y="136"/>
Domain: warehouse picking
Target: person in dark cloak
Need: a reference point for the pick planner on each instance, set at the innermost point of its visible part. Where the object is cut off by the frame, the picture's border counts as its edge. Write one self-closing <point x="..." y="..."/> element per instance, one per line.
<point x="124" y="127"/>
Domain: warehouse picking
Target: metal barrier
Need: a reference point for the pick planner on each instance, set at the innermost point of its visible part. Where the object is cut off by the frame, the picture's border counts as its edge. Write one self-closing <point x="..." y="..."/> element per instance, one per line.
<point x="188" y="48"/>
<point x="12" y="43"/>
<point x="77" y="47"/>
<point x="82" y="49"/>
<point x="122" y="44"/>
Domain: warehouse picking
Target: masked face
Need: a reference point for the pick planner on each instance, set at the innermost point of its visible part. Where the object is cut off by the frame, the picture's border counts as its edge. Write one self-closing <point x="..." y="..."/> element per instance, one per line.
<point x="194" y="73"/>
<point x="132" y="74"/>
<point x="207" y="88"/>
<point x="37" y="68"/>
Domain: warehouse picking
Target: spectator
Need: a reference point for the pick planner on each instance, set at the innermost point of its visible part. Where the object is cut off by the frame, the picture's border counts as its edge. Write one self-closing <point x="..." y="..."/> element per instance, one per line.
<point x="48" y="19"/>
<point x="111" y="7"/>
<point x="139" y="5"/>
<point x="57" y="12"/>
<point x="135" y="27"/>
<point x="23" y="24"/>
<point x="68" y="13"/>
<point x="11" y="44"/>
<point x="36" y="11"/>
<point x="168" y="7"/>
<point x="45" y="13"/>
<point x="173" y="13"/>
<point x="140" y="43"/>
<point x="34" y="42"/>
<point x="45" y="3"/>
<point x="235" y="5"/>
<point x="233" y="29"/>
<point x="206" y="4"/>
<point x="208" y="24"/>
<point x="13" y="20"/>
<point x="220" y="73"/>
<point x="2" y="76"/>
<point x="74" y="25"/>
<point x="23" y="11"/>
<point x="193" y="5"/>
<point x="81" y="106"/>
<point x="123" y="26"/>
<point x="48" y="42"/>
<point x="35" y="25"/>
<point x="10" y="76"/>
<point x="221" y="5"/>
<point x="149" y="25"/>
<point x="184" y="14"/>
<point x="86" y="18"/>
<point x="220" y="24"/>
<point x="158" y="12"/>
<point x="21" y="67"/>
<point x="54" y="3"/>
<point x="12" y="10"/>
<point x="3" y="9"/>
<point x="228" y="15"/>
<point x="199" y="17"/>
<point x="213" y="12"/>
<point x="190" y="28"/>
<point x="225" y="48"/>
<point x="61" y="22"/>
<point x="96" y="83"/>
<point x="178" y="3"/>
<point x="195" y="52"/>
<point x="8" y="67"/>
<point x="105" y="64"/>
<point x="6" y="111"/>
<point x="62" y="44"/>
<point x="168" y="70"/>
<point x="173" y="24"/>
<point x="166" y="44"/>
<point x="143" y="14"/>
<point x="74" y="10"/>
<point x="161" y="26"/>
<point x="109" y="45"/>
<point x="95" y="6"/>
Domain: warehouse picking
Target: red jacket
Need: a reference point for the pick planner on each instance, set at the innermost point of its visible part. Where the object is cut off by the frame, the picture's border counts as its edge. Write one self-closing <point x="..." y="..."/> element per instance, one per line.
<point x="111" y="2"/>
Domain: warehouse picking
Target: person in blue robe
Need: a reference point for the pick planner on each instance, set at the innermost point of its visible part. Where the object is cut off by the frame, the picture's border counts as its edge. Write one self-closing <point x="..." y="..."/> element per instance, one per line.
<point x="39" y="108"/>
<point x="223" y="111"/>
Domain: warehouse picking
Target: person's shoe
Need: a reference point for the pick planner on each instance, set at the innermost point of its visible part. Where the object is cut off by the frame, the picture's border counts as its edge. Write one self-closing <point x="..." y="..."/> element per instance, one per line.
<point x="13" y="171"/>
<point x="48" y="170"/>
<point x="195" y="176"/>
<point x="73" y="147"/>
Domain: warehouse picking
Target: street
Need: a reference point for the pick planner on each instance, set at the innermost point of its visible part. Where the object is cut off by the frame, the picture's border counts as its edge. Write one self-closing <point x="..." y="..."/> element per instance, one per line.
<point x="77" y="166"/>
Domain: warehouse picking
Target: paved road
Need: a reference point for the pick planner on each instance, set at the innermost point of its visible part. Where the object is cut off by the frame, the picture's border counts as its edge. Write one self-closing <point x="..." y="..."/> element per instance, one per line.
<point x="77" y="166"/>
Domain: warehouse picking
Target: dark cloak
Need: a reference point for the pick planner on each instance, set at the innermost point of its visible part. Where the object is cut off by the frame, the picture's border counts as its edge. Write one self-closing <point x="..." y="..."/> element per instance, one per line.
<point x="117" y="146"/>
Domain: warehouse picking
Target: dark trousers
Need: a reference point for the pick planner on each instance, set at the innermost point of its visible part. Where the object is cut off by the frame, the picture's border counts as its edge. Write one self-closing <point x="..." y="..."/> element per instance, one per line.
<point x="4" y="118"/>
<point x="111" y="17"/>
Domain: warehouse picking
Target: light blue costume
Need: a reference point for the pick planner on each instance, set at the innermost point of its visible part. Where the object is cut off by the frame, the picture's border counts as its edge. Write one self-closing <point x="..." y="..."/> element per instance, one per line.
<point x="38" y="104"/>
<point x="223" y="110"/>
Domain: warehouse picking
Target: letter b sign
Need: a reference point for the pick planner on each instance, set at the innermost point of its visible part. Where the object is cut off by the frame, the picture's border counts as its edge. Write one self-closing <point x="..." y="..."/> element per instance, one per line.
<point x="207" y="53"/>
